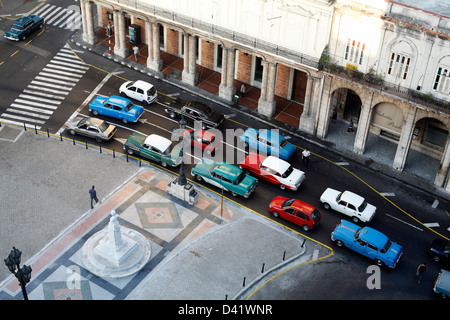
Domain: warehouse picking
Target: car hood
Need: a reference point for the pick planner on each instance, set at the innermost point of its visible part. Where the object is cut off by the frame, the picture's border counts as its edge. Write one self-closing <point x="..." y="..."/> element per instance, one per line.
<point x="248" y="182"/>
<point x="136" y="110"/>
<point x="136" y="139"/>
<point x="346" y="229"/>
<point x="296" y="177"/>
<point x="277" y="202"/>
<point x="73" y="122"/>
<point x="216" y="117"/>
<point x="123" y="86"/>
<point x="438" y="244"/>
<point x="11" y="33"/>
<point x="395" y="251"/>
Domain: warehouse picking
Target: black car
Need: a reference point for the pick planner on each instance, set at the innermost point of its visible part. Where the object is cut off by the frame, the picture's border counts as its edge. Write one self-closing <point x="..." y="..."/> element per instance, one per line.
<point x="439" y="250"/>
<point x="194" y="111"/>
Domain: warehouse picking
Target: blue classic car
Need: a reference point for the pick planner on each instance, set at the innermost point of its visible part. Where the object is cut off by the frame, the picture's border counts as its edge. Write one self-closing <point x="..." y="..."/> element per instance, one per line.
<point x="368" y="242"/>
<point x="116" y="107"/>
<point x="225" y="176"/>
<point x="269" y="142"/>
<point x="23" y="27"/>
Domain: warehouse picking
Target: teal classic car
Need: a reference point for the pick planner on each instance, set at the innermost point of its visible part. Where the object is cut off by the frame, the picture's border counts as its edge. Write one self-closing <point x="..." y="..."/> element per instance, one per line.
<point x="23" y="27"/>
<point x="154" y="147"/>
<point x="225" y="176"/>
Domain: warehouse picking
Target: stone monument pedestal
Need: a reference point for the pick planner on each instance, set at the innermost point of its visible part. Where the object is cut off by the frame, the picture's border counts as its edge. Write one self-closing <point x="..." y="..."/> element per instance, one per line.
<point x="184" y="192"/>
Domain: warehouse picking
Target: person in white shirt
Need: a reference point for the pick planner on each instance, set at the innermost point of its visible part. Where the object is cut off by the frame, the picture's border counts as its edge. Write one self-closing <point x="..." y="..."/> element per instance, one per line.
<point x="306" y="156"/>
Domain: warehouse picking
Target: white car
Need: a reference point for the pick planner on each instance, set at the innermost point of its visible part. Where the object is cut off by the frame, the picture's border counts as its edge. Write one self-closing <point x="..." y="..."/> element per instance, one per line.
<point x="349" y="204"/>
<point x="139" y="90"/>
<point x="274" y="170"/>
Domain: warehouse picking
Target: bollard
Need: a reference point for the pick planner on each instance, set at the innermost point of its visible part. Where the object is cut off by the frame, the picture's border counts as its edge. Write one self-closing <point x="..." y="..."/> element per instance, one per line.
<point x="303" y="242"/>
<point x="127" y="157"/>
<point x="73" y="139"/>
<point x="60" y="136"/>
<point x="262" y="270"/>
<point x="100" y="149"/>
<point x="243" y="283"/>
<point x="86" y="144"/>
<point x="284" y="255"/>
<point x="114" y="153"/>
<point x="35" y="129"/>
<point x="140" y="162"/>
<point x="24" y="127"/>
<point x="48" y="134"/>
<point x="226" y="297"/>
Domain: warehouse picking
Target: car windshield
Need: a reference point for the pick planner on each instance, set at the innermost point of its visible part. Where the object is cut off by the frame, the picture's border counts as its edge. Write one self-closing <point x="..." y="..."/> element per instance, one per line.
<point x="129" y="106"/>
<point x="17" y="27"/>
<point x="338" y="197"/>
<point x="362" y="206"/>
<point x="151" y="91"/>
<point x="130" y="84"/>
<point x="288" y="172"/>
<point x="357" y="233"/>
<point x="168" y="150"/>
<point x="315" y="215"/>
<point x="283" y="143"/>
<point x="82" y="121"/>
<point x="386" y="247"/>
<point x="287" y="203"/>
<point x="447" y="247"/>
<point x="103" y="126"/>
<point x="239" y="178"/>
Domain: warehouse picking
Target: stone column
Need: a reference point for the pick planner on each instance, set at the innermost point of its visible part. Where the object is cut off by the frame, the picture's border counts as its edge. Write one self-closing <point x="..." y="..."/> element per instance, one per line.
<point x="443" y="167"/>
<point x="323" y="108"/>
<point x="154" y="61"/>
<point x="227" y="88"/>
<point x="363" y="128"/>
<point x="189" y="74"/>
<point x="311" y="106"/>
<point x="116" y="31"/>
<point x="266" y="102"/>
<point x="88" y="33"/>
<point x="404" y="142"/>
<point x="122" y="49"/>
<point x="83" y="19"/>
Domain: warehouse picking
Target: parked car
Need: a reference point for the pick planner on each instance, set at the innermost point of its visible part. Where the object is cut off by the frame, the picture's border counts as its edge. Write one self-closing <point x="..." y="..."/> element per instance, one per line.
<point x="95" y="128"/>
<point x="442" y="284"/>
<point x="349" y="204"/>
<point x="296" y="211"/>
<point x="225" y="176"/>
<point x="154" y="147"/>
<point x="116" y="107"/>
<point x="139" y="90"/>
<point x="274" y="170"/>
<point x="194" y="111"/>
<point x="439" y="250"/>
<point x="269" y="142"/>
<point x="23" y="27"/>
<point x="368" y="242"/>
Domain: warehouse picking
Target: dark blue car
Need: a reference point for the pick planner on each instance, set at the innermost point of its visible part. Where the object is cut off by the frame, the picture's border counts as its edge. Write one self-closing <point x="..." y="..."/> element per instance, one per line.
<point x="23" y="27"/>
<point x="268" y="142"/>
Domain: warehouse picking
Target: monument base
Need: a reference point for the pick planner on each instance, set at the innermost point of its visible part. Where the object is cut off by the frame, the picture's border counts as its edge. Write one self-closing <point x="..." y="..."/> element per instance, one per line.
<point x="184" y="192"/>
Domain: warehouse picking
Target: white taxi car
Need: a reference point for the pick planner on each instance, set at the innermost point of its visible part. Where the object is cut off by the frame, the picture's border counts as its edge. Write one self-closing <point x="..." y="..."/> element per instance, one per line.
<point x="349" y="204"/>
<point x="139" y="90"/>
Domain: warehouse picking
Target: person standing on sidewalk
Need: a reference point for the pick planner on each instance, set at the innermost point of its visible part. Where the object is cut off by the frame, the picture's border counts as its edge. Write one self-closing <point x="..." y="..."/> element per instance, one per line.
<point x="420" y="272"/>
<point x="135" y="51"/>
<point x="350" y="127"/>
<point x="93" y="195"/>
<point x="243" y="91"/>
<point x="306" y="156"/>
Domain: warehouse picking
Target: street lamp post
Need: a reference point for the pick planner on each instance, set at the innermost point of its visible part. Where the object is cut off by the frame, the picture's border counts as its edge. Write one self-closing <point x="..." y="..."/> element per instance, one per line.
<point x="22" y="274"/>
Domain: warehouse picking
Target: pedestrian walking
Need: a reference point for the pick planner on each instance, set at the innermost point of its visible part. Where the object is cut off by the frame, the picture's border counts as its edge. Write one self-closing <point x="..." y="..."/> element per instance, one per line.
<point x="420" y="272"/>
<point x="109" y="29"/>
<point x="306" y="157"/>
<point x="350" y="127"/>
<point x="243" y="90"/>
<point x="93" y="195"/>
<point x="334" y="115"/>
<point x="135" y="51"/>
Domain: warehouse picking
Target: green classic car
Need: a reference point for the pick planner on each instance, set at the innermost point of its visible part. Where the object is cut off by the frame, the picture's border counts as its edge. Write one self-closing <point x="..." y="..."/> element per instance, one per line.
<point x="225" y="176"/>
<point x="154" y="147"/>
<point x="23" y="27"/>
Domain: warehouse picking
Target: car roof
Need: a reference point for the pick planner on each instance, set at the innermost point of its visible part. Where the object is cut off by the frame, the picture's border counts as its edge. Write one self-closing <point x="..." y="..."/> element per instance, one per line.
<point x="158" y="142"/>
<point x="199" y="106"/>
<point x="276" y="164"/>
<point x="227" y="170"/>
<point x="142" y="84"/>
<point x="95" y="121"/>
<point x="119" y="100"/>
<point x="302" y="206"/>
<point x="373" y="236"/>
<point x="352" y="198"/>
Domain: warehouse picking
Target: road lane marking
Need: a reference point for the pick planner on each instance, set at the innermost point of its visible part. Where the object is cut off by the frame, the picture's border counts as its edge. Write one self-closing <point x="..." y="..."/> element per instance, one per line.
<point x="432" y="225"/>
<point x="409" y="224"/>
<point x="14" y="53"/>
<point x="387" y="194"/>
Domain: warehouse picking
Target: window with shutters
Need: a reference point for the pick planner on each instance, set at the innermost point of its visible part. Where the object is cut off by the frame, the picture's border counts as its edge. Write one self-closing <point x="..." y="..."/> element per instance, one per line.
<point x="399" y="66"/>
<point x="442" y="80"/>
<point x="354" y="51"/>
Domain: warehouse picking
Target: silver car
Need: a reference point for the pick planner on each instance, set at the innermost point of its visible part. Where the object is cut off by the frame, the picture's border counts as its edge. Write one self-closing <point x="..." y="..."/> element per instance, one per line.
<point x="95" y="128"/>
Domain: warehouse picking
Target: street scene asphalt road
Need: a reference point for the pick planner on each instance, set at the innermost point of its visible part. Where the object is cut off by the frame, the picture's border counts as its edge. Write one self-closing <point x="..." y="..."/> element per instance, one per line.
<point x="202" y="252"/>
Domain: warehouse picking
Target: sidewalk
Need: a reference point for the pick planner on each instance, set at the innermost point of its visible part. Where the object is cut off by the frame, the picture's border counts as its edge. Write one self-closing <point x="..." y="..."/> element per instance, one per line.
<point x="197" y="252"/>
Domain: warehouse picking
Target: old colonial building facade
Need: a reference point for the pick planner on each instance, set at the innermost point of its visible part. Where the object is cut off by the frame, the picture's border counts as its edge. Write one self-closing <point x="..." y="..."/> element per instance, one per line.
<point x="384" y="65"/>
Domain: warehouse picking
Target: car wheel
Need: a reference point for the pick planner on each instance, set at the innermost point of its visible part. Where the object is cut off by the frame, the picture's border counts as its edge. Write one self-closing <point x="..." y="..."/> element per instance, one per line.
<point x="326" y="206"/>
<point x="234" y="194"/>
<point x="305" y="227"/>
<point x="339" y="243"/>
<point x="24" y="37"/>
<point x="379" y="262"/>
<point x="355" y="219"/>
<point x="122" y="93"/>
<point x="124" y="120"/>
<point x="95" y="112"/>
<point x="163" y="164"/>
<point x="436" y="258"/>
<point x="41" y="26"/>
<point x="172" y="114"/>
<point x="98" y="139"/>
<point x="275" y="214"/>
<point x="198" y="177"/>
<point x="130" y="151"/>
<point x="72" y="132"/>
<point x="282" y="186"/>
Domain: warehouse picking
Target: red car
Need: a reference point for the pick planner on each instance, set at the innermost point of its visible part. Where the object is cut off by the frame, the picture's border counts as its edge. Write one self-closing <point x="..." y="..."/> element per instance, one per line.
<point x="204" y="140"/>
<point x="296" y="211"/>
<point x="274" y="170"/>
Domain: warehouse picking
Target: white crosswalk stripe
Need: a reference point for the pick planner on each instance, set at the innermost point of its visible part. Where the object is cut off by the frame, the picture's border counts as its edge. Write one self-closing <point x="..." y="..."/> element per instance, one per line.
<point x="58" y="16"/>
<point x="46" y="92"/>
